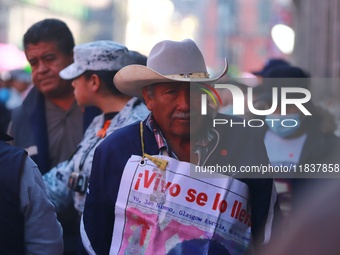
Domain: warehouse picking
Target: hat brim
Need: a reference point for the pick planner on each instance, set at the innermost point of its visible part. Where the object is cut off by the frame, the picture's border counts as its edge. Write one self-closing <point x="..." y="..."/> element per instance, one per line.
<point x="72" y="71"/>
<point x="131" y="79"/>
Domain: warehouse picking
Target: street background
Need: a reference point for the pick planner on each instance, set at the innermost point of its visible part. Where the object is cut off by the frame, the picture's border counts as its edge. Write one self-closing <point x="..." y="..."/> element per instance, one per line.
<point x="246" y="32"/>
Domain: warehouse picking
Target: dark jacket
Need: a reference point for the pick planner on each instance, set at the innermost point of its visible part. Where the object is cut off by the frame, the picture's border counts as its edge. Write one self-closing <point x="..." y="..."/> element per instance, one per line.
<point x="5" y="117"/>
<point x="11" y="220"/>
<point x="244" y="148"/>
<point x="321" y="147"/>
<point x="29" y="128"/>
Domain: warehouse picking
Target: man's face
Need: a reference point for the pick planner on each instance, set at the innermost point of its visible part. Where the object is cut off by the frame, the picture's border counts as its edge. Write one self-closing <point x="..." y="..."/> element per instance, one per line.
<point x="171" y="108"/>
<point x="47" y="61"/>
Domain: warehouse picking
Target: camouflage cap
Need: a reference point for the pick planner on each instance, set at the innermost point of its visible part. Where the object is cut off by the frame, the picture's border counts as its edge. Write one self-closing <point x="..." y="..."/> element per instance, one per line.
<point x="96" y="56"/>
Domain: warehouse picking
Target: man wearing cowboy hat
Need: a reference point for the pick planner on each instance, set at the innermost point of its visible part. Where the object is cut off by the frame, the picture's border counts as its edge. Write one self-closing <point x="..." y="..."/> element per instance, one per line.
<point x="170" y="86"/>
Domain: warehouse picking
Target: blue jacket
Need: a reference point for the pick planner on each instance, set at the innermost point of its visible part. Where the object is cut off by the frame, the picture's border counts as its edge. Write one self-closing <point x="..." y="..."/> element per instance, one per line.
<point x="11" y="220"/>
<point x="244" y="148"/>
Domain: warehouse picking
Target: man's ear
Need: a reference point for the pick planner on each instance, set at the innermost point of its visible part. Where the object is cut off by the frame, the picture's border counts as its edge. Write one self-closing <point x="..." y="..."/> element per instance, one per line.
<point x="147" y="98"/>
<point x="95" y="82"/>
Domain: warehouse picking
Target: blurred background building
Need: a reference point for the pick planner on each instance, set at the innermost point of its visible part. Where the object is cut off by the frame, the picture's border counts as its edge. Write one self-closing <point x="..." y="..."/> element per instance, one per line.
<point x="240" y="30"/>
<point x="246" y="32"/>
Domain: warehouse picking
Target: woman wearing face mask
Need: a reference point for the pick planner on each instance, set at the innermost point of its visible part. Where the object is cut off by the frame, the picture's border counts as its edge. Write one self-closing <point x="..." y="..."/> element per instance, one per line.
<point x="295" y="139"/>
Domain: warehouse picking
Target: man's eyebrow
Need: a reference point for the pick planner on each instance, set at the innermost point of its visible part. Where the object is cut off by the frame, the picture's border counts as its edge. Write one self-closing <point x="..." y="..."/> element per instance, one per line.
<point x="49" y="54"/>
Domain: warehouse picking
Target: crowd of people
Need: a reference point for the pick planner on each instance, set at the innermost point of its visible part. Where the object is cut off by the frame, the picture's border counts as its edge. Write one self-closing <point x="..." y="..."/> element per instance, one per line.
<point x="98" y="153"/>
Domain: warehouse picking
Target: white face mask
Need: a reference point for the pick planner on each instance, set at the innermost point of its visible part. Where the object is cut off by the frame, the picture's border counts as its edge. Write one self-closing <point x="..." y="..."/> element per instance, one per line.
<point x="281" y="130"/>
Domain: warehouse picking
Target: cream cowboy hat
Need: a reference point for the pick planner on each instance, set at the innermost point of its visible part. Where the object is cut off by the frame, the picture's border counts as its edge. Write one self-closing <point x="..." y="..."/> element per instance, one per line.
<point x="168" y="61"/>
